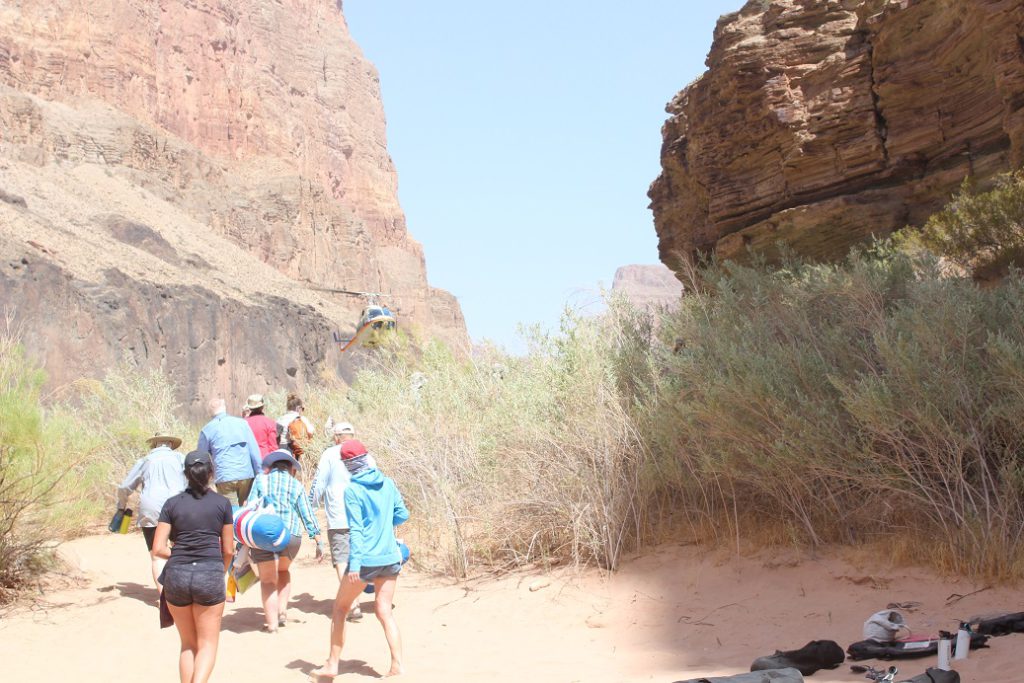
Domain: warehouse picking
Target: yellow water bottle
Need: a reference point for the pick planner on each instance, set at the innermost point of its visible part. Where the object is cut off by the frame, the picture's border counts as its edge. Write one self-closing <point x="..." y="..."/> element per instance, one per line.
<point x="126" y="521"/>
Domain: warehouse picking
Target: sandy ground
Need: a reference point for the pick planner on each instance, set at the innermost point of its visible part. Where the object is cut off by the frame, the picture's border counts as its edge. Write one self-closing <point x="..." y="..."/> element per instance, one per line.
<point x="676" y="613"/>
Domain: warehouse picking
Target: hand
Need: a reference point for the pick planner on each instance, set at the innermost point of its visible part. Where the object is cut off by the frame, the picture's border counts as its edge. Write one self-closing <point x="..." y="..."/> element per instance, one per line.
<point x="319" y="551"/>
<point x="353" y="577"/>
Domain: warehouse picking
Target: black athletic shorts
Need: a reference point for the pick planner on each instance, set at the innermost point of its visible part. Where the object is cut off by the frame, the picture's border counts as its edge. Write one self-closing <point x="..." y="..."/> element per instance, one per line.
<point x="201" y="583"/>
<point x="148" y="532"/>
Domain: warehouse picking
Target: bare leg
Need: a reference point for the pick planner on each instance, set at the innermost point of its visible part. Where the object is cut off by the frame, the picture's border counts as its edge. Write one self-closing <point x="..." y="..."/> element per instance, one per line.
<point x="268" y="592"/>
<point x="354" y="614"/>
<point x="284" y="588"/>
<point x="189" y="640"/>
<point x="385" y="590"/>
<point x="347" y="594"/>
<point x="207" y="621"/>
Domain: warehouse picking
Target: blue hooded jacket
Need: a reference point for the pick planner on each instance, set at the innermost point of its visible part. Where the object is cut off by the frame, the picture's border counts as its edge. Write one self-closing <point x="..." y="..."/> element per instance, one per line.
<point x="374" y="507"/>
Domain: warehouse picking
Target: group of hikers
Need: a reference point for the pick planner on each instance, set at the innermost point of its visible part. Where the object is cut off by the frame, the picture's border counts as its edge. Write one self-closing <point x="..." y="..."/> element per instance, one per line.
<point x="186" y="513"/>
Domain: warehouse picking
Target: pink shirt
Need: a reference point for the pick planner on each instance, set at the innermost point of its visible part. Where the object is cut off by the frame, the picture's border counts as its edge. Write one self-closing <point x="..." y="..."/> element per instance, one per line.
<point x="265" y="431"/>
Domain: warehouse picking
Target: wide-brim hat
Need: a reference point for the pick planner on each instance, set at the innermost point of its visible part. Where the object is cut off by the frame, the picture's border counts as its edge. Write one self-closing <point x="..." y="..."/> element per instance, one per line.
<point x="163" y="436"/>
<point x="280" y="455"/>
<point x="254" y="401"/>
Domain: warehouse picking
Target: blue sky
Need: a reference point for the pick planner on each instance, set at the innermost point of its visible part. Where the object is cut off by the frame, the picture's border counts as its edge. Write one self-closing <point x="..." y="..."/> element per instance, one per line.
<point x="525" y="135"/>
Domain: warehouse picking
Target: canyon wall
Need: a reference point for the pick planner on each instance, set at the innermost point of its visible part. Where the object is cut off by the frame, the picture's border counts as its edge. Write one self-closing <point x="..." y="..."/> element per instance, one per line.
<point x="822" y="122"/>
<point x="178" y="177"/>
<point x="648" y="286"/>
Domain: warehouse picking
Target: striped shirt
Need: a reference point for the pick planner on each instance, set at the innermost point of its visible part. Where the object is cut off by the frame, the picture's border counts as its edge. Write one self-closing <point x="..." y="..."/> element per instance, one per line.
<point x="289" y="499"/>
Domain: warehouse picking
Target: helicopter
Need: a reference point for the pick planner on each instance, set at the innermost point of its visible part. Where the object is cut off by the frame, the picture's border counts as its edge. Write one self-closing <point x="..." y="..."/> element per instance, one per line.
<point x="376" y="322"/>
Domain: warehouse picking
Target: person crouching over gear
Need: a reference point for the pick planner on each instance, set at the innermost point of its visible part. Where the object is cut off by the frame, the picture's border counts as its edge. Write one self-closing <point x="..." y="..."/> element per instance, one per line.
<point x="374" y="508"/>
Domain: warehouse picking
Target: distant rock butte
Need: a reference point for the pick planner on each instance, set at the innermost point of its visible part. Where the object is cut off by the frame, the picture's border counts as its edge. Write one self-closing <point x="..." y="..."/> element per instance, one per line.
<point x="176" y="175"/>
<point x="647" y="285"/>
<point x="820" y="123"/>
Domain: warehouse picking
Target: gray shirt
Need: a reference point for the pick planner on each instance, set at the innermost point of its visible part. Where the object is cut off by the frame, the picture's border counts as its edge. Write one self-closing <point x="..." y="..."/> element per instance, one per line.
<point x="162" y="475"/>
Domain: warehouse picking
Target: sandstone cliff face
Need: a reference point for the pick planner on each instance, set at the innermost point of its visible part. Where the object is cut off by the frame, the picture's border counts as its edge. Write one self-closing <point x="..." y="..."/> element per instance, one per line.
<point x="821" y="122"/>
<point x="647" y="286"/>
<point x="179" y="173"/>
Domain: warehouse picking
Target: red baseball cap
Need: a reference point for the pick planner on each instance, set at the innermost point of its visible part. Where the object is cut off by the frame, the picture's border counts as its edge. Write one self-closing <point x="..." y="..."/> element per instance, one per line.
<point x="352" y="448"/>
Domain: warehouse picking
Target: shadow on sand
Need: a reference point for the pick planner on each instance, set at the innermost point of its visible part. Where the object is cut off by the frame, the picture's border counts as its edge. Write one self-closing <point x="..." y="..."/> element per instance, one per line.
<point x="305" y="602"/>
<point x="347" y="666"/>
<point x="135" y="591"/>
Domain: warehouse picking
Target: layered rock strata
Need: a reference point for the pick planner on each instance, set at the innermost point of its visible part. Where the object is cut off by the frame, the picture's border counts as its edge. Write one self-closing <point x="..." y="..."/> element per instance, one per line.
<point x="176" y="179"/>
<point x="821" y="122"/>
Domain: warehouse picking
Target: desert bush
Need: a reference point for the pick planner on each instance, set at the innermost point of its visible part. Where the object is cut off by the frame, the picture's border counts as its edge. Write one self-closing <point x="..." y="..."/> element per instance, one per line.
<point x="506" y="460"/>
<point x="838" y="403"/>
<point x="982" y="232"/>
<point x="62" y="457"/>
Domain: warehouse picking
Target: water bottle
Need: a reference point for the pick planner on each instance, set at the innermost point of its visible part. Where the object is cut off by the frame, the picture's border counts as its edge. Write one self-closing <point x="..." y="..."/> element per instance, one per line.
<point x="963" y="641"/>
<point x="126" y="521"/>
<point x="945" y="645"/>
<point x="115" y="522"/>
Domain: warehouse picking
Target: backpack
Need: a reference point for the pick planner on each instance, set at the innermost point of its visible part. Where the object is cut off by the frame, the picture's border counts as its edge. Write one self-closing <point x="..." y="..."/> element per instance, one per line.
<point x="298" y="436"/>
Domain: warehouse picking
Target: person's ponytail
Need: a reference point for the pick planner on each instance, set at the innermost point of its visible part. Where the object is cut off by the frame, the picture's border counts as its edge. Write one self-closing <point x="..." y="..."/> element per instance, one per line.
<point x="198" y="476"/>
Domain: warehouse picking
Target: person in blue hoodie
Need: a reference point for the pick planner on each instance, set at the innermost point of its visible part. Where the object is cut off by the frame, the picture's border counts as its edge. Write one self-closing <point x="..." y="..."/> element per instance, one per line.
<point x="374" y="508"/>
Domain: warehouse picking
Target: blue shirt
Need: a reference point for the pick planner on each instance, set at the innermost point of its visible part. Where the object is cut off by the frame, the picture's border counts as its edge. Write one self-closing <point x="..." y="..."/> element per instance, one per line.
<point x="374" y="508"/>
<point x="230" y="442"/>
<point x="289" y="501"/>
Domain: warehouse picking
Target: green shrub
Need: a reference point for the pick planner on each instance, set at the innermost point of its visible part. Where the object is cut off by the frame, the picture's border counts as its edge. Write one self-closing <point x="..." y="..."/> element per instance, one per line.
<point x="981" y="232"/>
<point x="60" y="463"/>
<point x="873" y="399"/>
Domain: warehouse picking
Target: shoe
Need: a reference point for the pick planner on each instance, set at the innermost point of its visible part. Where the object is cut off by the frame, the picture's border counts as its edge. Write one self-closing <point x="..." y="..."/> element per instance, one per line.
<point x="355" y="615"/>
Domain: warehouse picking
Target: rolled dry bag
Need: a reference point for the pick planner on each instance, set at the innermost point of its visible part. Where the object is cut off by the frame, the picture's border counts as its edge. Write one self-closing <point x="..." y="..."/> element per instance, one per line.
<point x="261" y="527"/>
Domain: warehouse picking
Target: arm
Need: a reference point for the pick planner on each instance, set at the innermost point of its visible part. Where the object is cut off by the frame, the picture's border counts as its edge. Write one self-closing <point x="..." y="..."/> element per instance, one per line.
<point x="319" y="485"/>
<point x="302" y="506"/>
<point x="257" y="487"/>
<point x="254" y="452"/>
<point x="227" y="544"/>
<point x="160" y="548"/>
<point x="401" y="513"/>
<point x="204" y="443"/>
<point x="355" y="535"/>
<point x="227" y="536"/>
<point x="130" y="483"/>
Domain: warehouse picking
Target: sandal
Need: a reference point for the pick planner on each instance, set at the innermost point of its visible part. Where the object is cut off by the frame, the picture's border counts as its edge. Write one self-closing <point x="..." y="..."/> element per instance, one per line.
<point x="282" y="620"/>
<point x="267" y="629"/>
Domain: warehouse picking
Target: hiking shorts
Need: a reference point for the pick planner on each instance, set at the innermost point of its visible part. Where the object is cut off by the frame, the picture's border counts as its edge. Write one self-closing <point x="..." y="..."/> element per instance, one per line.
<point x="235" y="491"/>
<point x="148" y="533"/>
<point x="290" y="551"/>
<point x="200" y="583"/>
<point x="338" y="540"/>
<point x="368" y="574"/>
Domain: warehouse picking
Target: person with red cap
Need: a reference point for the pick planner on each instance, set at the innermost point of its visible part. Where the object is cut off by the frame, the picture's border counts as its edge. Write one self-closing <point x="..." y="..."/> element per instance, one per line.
<point x="374" y="508"/>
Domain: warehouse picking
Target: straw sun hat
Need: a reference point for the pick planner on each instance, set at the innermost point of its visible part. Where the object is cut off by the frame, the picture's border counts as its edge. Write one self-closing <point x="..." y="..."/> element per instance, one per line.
<point x="164" y="437"/>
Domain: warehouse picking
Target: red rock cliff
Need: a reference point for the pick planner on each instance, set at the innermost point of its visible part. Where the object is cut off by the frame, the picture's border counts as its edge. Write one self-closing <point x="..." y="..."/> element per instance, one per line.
<point x="820" y="122"/>
<point x="177" y="173"/>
